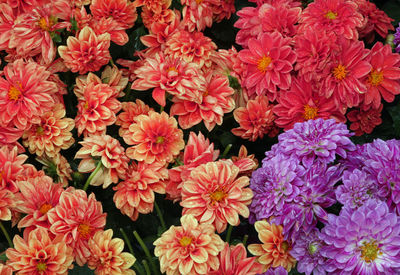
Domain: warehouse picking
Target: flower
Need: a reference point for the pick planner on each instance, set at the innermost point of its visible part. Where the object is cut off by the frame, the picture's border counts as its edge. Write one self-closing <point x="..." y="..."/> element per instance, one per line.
<point x="274" y="250"/>
<point x="26" y="93"/>
<point x="39" y="254"/>
<point x="149" y="17"/>
<point x="156" y="138"/>
<point x="197" y="14"/>
<point x="214" y="195"/>
<point x="268" y="63"/>
<point x="87" y="52"/>
<point x="130" y="111"/>
<point x="256" y="119"/>
<point x="52" y="134"/>
<point x="233" y="261"/>
<point x="9" y="137"/>
<point x="121" y="11"/>
<point x="58" y="168"/>
<point x="223" y="10"/>
<point x="78" y="217"/>
<point x="191" y="248"/>
<point x="7" y="203"/>
<point x="5" y="270"/>
<point x="154" y="5"/>
<point x="106" y="255"/>
<point x="396" y="39"/>
<point x="109" y="152"/>
<point x="364" y="240"/>
<point x="249" y="24"/>
<point x="7" y="19"/>
<point x="364" y="120"/>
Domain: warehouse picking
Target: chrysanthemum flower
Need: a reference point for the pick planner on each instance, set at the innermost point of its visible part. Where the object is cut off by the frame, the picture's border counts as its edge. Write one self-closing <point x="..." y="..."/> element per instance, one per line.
<point x="130" y="111"/>
<point x="25" y="94"/>
<point x="301" y="103"/>
<point x="256" y="119"/>
<point x="192" y="248"/>
<point x="338" y="16"/>
<point x="197" y="15"/>
<point x="384" y="78"/>
<point x="106" y="255"/>
<point x="233" y="261"/>
<point x="364" y="120"/>
<point x="78" y="217"/>
<point x="274" y="250"/>
<point x="109" y="151"/>
<point x="214" y="194"/>
<point x="156" y="138"/>
<point x="5" y="270"/>
<point x="136" y="194"/>
<point x="9" y="137"/>
<point x="38" y="254"/>
<point x="57" y="167"/>
<point x="87" y="52"/>
<point x="7" y="203"/>
<point x="268" y="63"/>
<point x="362" y="241"/>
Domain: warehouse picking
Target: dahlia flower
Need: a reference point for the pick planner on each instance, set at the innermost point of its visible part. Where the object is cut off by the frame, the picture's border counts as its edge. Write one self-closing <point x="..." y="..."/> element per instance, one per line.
<point x="39" y="254"/>
<point x="274" y="250"/>
<point x="5" y="270"/>
<point x="121" y="11"/>
<point x="192" y="248"/>
<point x="396" y="40"/>
<point x="9" y="137"/>
<point x="78" y="217"/>
<point x="280" y="270"/>
<point x="149" y="17"/>
<point x="233" y="261"/>
<point x="7" y="19"/>
<point x="268" y="63"/>
<point x="87" y="52"/>
<point x="197" y="15"/>
<point x="58" y="168"/>
<point x="130" y="111"/>
<point x="362" y="241"/>
<point x="7" y="203"/>
<point x="106" y="255"/>
<point x="110" y="77"/>
<point x="109" y="151"/>
<point x="249" y="24"/>
<point x="246" y="163"/>
<point x="26" y="93"/>
<point x="255" y="120"/>
<point x="223" y="10"/>
<point x="115" y="79"/>
<point x="135" y="194"/>
<point x="214" y="194"/>
<point x="364" y="120"/>
<point x="154" y="5"/>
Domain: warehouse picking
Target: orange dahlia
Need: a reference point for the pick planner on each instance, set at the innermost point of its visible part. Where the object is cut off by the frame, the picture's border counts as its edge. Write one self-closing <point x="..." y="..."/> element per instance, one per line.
<point x="121" y="11"/>
<point x="130" y="111"/>
<point x="214" y="195"/>
<point x="136" y="194"/>
<point x="274" y="250"/>
<point x="149" y="17"/>
<point x="106" y="255"/>
<point x="38" y="254"/>
<point x="77" y="217"/>
<point x="7" y="203"/>
<point x="188" y="249"/>
<point x="87" y="52"/>
<point x="5" y="270"/>
<point x="156" y="138"/>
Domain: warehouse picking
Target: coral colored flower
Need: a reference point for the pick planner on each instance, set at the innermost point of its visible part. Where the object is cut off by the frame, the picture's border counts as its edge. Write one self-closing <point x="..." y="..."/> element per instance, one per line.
<point x="198" y="150"/>
<point x="7" y="18"/>
<point x="197" y="15"/>
<point x="106" y="255"/>
<point x="233" y="261"/>
<point x="26" y="93"/>
<point x="246" y="163"/>
<point x="214" y="194"/>
<point x="149" y="17"/>
<point x="268" y="63"/>
<point x="87" y="52"/>
<point x="274" y="250"/>
<point x="38" y="254"/>
<point x="301" y="103"/>
<point x="52" y="134"/>
<point x="223" y="10"/>
<point x="57" y="167"/>
<point x="249" y="24"/>
<point x="280" y="18"/>
<point x="109" y="152"/>
<point x="217" y="100"/>
<point x="78" y="217"/>
<point x="154" y="5"/>
<point x="97" y="109"/>
<point x="364" y="120"/>
<point x="136" y="194"/>
<point x="192" y="248"/>
<point x="338" y="16"/>
<point x="9" y="137"/>
<point x="121" y="11"/>
<point x="7" y="203"/>
<point x="384" y="78"/>
<point x="130" y="111"/>
<point x="5" y="270"/>
<point x="156" y="138"/>
<point x="256" y="119"/>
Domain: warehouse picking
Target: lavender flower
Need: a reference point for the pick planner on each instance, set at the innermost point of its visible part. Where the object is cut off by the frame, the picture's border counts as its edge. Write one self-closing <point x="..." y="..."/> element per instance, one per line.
<point x="276" y="271"/>
<point x="396" y="40"/>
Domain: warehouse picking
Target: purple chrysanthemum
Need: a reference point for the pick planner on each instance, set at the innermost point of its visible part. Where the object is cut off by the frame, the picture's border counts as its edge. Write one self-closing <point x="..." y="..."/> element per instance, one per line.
<point x="355" y="159"/>
<point x="276" y="271"/>
<point x="306" y="250"/>
<point x="365" y="240"/>
<point x="317" y="140"/>
<point x="396" y="40"/>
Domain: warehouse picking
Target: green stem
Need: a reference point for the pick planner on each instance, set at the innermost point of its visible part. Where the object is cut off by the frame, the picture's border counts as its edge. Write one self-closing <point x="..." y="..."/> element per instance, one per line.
<point x="93" y="174"/>
<point x="112" y="62"/>
<point x="146" y="267"/>
<point x="147" y="252"/>
<point x="160" y="216"/>
<point x="138" y="268"/>
<point x="10" y="243"/>
<point x="226" y="151"/>
<point x="229" y="233"/>
<point x="245" y="239"/>
<point x="161" y="109"/>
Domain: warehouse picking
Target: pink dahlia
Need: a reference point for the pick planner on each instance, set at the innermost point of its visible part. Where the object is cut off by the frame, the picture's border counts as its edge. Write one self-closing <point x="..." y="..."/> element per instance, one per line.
<point x="87" y="52"/>
<point x="5" y="270"/>
<point x="7" y="19"/>
<point x="9" y="137"/>
<point x="130" y="111"/>
<point x="121" y="11"/>
<point x="165" y="16"/>
<point x="7" y="203"/>
<point x="364" y="120"/>
<point x="223" y="10"/>
<point x="109" y="152"/>
<point x="26" y="93"/>
<point x="338" y="16"/>
<point x="78" y="217"/>
<point x="268" y="63"/>
<point x="197" y="14"/>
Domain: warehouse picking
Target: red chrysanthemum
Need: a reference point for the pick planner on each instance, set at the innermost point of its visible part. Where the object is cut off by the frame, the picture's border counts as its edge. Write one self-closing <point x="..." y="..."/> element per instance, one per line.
<point x="197" y="14"/>
<point x="130" y="111"/>
<point x="269" y="61"/>
<point x="364" y="120"/>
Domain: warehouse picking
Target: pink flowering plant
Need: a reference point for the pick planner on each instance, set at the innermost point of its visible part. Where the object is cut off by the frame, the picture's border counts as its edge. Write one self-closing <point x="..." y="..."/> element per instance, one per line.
<point x="199" y="137"/>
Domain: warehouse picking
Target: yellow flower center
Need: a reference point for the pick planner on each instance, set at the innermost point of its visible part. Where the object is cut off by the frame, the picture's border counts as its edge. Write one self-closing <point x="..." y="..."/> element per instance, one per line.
<point x="185" y="241"/>
<point x="310" y="112"/>
<point x="263" y="63"/>
<point x="340" y="72"/>
<point x="14" y="93"/>
<point x="199" y="2"/>
<point x="86" y="105"/>
<point x="172" y="68"/>
<point x="375" y="78"/>
<point x="331" y="15"/>
<point x="312" y="248"/>
<point x="45" y="208"/>
<point x="41" y="266"/>
<point x="39" y="130"/>
<point x="369" y="251"/>
<point x="84" y="230"/>
<point x="218" y="196"/>
<point x="285" y="246"/>
<point x="160" y="140"/>
<point x="46" y="24"/>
